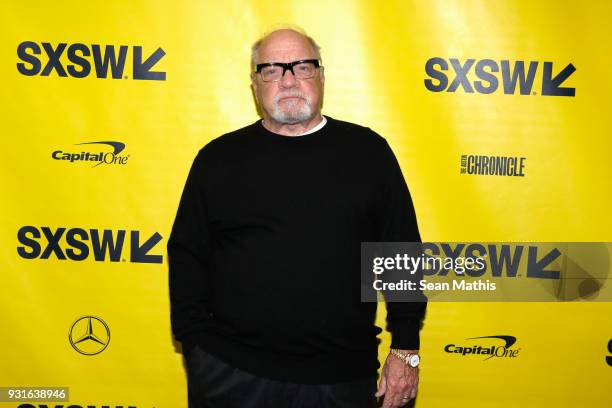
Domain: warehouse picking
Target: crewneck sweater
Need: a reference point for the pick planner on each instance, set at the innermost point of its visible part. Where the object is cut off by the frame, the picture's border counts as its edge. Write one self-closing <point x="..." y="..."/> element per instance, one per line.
<point x="264" y="252"/>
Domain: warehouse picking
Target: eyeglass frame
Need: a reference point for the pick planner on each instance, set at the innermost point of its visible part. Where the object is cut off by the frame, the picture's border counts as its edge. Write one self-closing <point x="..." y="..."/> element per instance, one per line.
<point x="287" y="66"/>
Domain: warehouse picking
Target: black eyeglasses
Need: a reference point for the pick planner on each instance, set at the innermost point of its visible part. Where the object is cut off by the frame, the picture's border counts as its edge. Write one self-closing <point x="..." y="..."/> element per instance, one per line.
<point x="274" y="71"/>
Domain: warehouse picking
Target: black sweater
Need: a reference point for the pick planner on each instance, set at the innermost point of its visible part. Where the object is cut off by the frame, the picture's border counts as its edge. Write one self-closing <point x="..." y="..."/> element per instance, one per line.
<point x="264" y="252"/>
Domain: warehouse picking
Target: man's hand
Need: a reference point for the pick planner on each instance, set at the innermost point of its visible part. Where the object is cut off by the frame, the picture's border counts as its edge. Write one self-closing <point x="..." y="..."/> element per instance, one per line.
<point x="398" y="381"/>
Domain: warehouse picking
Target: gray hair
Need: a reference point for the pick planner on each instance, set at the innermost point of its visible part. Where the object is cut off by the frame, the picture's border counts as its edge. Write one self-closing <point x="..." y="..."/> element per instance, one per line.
<point x="257" y="44"/>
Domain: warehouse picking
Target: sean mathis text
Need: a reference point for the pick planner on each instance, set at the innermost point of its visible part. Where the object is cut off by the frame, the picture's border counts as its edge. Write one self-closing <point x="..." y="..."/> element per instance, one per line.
<point x="457" y="284"/>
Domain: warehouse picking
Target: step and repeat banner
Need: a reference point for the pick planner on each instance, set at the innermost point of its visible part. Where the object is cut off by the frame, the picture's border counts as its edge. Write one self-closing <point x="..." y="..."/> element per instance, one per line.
<point x="498" y="112"/>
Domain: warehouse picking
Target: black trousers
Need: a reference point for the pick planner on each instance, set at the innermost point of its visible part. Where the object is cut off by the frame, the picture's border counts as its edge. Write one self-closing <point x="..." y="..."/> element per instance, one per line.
<point x="215" y="384"/>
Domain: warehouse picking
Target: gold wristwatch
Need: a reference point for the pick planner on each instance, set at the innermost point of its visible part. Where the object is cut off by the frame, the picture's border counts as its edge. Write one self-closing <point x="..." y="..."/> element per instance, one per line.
<point x="411" y="359"/>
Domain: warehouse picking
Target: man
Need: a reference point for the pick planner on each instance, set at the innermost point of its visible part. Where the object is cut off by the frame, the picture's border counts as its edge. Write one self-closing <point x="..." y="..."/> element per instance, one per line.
<point x="265" y="252"/>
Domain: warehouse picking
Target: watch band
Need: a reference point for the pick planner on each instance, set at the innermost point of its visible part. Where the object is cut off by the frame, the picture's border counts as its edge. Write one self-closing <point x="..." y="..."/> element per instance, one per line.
<point x="404" y="356"/>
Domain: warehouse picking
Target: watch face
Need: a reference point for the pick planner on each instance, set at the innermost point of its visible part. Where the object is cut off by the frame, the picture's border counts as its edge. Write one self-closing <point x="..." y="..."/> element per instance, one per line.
<point x="414" y="360"/>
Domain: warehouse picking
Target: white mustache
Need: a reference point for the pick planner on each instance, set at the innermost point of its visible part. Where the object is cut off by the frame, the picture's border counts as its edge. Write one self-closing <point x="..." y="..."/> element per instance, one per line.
<point x="290" y="95"/>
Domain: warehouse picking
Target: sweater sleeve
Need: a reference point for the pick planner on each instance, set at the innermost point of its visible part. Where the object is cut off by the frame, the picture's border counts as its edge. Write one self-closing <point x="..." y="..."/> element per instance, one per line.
<point x="398" y="223"/>
<point x="188" y="254"/>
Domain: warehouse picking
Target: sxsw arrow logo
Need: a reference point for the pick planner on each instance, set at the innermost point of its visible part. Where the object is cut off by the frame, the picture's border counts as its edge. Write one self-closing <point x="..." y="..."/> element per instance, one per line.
<point x="78" y="244"/>
<point x="486" y="76"/>
<point x="536" y="267"/>
<point x="551" y="86"/>
<point x="142" y="70"/>
<point x="80" y="60"/>
<point x="140" y="253"/>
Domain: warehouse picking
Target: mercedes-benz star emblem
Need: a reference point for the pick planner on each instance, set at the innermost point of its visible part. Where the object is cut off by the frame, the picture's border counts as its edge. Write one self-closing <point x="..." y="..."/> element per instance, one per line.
<point x="89" y="335"/>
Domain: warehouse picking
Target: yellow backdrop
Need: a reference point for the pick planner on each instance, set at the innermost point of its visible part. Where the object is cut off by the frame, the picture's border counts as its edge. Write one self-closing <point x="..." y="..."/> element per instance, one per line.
<point x="436" y="78"/>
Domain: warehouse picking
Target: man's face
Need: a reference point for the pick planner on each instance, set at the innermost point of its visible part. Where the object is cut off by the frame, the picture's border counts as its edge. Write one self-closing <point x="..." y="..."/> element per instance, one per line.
<point x="290" y="100"/>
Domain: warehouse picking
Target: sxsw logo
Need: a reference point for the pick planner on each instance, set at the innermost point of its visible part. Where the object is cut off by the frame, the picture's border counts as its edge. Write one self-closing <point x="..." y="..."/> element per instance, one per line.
<point x="83" y="60"/>
<point x="78" y="244"/>
<point x="502" y="258"/>
<point x="517" y="77"/>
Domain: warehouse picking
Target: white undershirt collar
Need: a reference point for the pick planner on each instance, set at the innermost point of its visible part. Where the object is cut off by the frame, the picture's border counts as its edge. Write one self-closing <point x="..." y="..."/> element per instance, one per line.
<point x="319" y="126"/>
<point x="314" y="129"/>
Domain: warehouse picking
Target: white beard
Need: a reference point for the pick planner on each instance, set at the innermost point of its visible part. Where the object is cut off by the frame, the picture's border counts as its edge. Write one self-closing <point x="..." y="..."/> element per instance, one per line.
<point x="292" y="112"/>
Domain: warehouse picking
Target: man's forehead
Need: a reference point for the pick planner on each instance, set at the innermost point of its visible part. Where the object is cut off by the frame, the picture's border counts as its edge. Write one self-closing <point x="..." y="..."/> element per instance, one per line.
<point x="285" y="49"/>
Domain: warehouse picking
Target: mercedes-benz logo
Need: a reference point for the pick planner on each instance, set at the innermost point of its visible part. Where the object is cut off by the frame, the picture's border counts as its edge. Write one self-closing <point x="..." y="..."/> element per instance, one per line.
<point x="89" y="335"/>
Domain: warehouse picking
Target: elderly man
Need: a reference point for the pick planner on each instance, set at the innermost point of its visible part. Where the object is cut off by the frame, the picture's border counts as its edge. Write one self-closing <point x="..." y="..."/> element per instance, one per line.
<point x="265" y="252"/>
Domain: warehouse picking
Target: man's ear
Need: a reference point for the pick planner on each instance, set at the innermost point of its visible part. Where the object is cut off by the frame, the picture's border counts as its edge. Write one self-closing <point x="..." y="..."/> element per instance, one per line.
<point x="322" y="74"/>
<point x="254" y="85"/>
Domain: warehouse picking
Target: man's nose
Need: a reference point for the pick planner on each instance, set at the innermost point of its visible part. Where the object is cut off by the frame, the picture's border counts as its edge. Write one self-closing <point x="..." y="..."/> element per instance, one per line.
<point x="288" y="79"/>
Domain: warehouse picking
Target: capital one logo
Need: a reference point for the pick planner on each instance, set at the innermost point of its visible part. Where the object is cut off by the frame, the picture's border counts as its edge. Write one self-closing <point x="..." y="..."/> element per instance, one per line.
<point x="97" y="157"/>
<point x="498" y="346"/>
<point x="517" y="77"/>
<point x="80" y="60"/>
